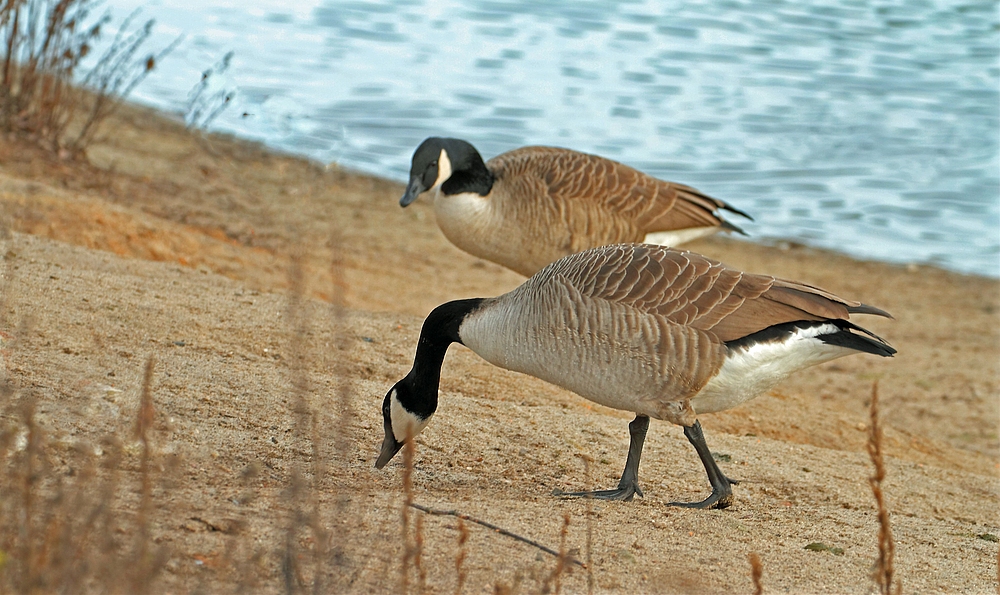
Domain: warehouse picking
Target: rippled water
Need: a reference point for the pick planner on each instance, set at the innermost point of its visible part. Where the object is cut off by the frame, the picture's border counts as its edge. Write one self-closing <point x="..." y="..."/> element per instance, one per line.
<point x="866" y="127"/>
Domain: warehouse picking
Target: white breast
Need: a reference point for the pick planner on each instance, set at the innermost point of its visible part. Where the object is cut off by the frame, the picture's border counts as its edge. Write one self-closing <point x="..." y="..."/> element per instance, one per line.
<point x="466" y="220"/>
<point x="749" y="371"/>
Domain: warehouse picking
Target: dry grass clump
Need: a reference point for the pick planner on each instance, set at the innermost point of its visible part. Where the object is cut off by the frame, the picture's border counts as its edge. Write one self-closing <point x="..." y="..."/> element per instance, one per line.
<point x="205" y="103"/>
<point x="68" y="523"/>
<point x="43" y="94"/>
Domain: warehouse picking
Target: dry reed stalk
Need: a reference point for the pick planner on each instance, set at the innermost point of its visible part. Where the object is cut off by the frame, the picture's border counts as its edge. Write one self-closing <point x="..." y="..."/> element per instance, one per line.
<point x="418" y="550"/>
<point x="32" y="453"/>
<point x="344" y="441"/>
<point x="108" y="567"/>
<point x="241" y="560"/>
<point x="408" y="550"/>
<point x="756" y="573"/>
<point x="884" y="570"/>
<point x="321" y="537"/>
<point x="460" y="574"/>
<point x="143" y="425"/>
<point x="554" y="580"/>
<point x="587" y="459"/>
<point x="290" y="567"/>
<point x="292" y="571"/>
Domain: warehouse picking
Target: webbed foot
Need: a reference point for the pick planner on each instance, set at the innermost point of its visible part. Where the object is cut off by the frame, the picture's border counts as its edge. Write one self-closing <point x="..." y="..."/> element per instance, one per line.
<point x="624" y="493"/>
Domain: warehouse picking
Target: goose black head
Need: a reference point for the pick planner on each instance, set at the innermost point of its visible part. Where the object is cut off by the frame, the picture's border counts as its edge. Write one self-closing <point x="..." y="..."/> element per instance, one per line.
<point x="400" y="420"/>
<point x="410" y="403"/>
<point x="438" y="160"/>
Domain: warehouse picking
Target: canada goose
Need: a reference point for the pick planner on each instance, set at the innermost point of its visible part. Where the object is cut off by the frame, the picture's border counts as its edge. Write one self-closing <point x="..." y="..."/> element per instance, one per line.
<point x="660" y="332"/>
<point x="531" y="206"/>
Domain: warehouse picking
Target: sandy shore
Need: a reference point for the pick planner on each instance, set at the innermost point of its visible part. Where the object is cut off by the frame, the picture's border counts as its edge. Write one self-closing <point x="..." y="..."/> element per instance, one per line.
<point x="224" y="261"/>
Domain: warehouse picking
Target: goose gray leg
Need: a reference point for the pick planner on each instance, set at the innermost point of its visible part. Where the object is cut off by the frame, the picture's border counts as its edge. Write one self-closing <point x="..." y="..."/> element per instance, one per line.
<point x="629" y="484"/>
<point x="722" y="493"/>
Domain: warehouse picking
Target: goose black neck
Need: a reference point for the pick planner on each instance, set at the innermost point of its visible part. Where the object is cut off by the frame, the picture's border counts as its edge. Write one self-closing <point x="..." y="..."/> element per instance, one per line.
<point x="469" y="172"/>
<point x="439" y="331"/>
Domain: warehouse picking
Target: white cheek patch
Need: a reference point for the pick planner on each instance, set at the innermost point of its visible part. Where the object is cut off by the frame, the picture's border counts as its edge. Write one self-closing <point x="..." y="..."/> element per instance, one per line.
<point x="405" y="425"/>
<point x="444" y="170"/>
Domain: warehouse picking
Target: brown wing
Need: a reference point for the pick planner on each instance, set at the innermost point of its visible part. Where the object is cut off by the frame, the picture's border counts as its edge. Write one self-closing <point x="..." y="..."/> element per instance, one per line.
<point x="601" y="197"/>
<point x="694" y="291"/>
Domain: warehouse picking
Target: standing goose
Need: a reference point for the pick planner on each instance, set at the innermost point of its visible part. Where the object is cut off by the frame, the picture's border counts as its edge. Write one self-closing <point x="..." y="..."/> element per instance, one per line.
<point x="660" y="332"/>
<point x="531" y="206"/>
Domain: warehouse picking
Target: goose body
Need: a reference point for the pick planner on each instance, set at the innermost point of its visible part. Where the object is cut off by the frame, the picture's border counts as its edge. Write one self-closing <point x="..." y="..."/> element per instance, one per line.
<point x="660" y="332"/>
<point x="531" y="206"/>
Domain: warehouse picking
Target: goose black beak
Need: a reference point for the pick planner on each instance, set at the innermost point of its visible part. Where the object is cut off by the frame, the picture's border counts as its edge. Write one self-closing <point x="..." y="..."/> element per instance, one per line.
<point x="389" y="449"/>
<point x="414" y="190"/>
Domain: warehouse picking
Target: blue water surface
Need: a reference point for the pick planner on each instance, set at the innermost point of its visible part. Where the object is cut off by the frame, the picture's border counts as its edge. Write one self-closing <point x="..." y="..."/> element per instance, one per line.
<point x="868" y="127"/>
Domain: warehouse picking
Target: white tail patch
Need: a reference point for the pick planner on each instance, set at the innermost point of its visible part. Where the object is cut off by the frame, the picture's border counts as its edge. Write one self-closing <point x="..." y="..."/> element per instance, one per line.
<point x="679" y="236"/>
<point x="749" y="371"/>
<point x="405" y="425"/>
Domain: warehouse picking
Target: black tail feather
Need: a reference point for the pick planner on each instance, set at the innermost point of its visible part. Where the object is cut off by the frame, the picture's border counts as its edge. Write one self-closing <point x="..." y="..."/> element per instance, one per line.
<point x="869" y="342"/>
<point x="863" y="340"/>
<point x="730" y="227"/>
<point x="733" y="209"/>
<point x="866" y="309"/>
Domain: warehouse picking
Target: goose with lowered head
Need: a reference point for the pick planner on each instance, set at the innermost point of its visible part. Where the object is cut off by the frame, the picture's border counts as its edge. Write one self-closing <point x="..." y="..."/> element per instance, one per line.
<point x="531" y="206"/>
<point x="662" y="333"/>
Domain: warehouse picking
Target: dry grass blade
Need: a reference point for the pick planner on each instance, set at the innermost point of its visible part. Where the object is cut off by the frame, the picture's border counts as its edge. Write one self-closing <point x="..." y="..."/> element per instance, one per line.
<point x="756" y="573"/>
<point x="884" y="570"/>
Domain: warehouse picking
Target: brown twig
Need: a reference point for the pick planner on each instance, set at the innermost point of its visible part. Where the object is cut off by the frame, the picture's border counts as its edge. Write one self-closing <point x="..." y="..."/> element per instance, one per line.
<point x="491" y="526"/>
